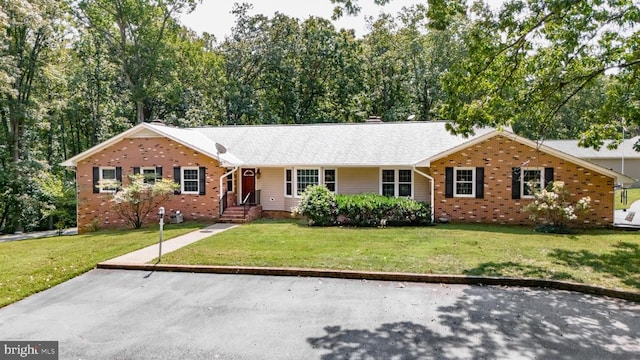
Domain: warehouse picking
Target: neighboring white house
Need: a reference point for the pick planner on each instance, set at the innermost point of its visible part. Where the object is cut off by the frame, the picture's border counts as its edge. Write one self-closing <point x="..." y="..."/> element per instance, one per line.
<point x="625" y="159"/>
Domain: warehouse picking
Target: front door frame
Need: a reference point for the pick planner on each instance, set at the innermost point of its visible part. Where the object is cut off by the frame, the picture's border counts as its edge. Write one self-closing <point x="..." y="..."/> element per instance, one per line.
<point x="250" y="176"/>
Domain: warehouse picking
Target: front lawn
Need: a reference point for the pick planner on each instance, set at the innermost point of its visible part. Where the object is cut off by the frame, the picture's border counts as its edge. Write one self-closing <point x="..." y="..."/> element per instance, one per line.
<point x="30" y="266"/>
<point x="599" y="257"/>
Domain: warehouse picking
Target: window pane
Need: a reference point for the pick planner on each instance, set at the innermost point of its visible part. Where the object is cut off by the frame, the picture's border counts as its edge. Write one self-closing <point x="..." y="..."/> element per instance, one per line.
<point x="388" y="190"/>
<point x="149" y="175"/>
<point x="404" y="190"/>
<point x="464" y="175"/>
<point x="190" y="180"/>
<point x="289" y="189"/>
<point x="288" y="175"/>
<point x="329" y="175"/>
<point x="307" y="177"/>
<point x="530" y="177"/>
<point x="404" y="176"/>
<point x="464" y="188"/>
<point x="190" y="186"/>
<point x="331" y="186"/>
<point x="230" y="183"/>
<point x="108" y="174"/>
<point x="388" y="176"/>
<point x="190" y="174"/>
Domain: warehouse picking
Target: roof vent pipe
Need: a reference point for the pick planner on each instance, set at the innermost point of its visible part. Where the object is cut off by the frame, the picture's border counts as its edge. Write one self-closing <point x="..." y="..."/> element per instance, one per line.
<point x="374" y="120"/>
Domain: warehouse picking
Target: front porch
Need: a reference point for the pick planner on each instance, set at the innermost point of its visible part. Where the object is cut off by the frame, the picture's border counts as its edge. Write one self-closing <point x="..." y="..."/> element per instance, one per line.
<point x="241" y="214"/>
<point x="248" y="210"/>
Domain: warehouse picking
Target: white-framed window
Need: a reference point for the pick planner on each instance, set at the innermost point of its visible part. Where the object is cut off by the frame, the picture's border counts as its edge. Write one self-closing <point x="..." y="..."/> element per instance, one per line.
<point x="149" y="174"/>
<point x="331" y="179"/>
<point x="190" y="180"/>
<point x="388" y="183"/>
<point x="230" y="181"/>
<point x="108" y="174"/>
<point x="531" y="181"/>
<point x="396" y="182"/>
<point x="464" y="182"/>
<point x="405" y="182"/>
<point x="306" y="178"/>
<point x="288" y="182"/>
<point x="296" y="180"/>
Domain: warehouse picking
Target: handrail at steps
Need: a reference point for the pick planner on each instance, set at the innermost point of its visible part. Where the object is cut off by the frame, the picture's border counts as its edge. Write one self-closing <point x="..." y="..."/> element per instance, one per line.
<point x="223" y="204"/>
<point x="244" y="205"/>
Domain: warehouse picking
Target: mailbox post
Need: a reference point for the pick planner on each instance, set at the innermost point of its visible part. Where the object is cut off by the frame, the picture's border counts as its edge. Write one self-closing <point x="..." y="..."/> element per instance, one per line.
<point x="161" y="215"/>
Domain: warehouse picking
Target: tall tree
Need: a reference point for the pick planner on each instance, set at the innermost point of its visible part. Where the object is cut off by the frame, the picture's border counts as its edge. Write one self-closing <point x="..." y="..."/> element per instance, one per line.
<point x="319" y="51"/>
<point x="136" y="32"/>
<point x="194" y="96"/>
<point x="387" y="71"/>
<point x="29" y="30"/>
<point x="531" y="59"/>
<point x="244" y="57"/>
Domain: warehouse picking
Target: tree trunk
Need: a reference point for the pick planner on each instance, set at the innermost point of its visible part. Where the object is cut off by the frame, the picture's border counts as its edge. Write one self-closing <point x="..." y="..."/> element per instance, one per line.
<point x="140" y="111"/>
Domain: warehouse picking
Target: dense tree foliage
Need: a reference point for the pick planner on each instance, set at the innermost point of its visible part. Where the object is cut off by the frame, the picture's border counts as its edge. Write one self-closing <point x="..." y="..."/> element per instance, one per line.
<point x="538" y="62"/>
<point x="76" y="72"/>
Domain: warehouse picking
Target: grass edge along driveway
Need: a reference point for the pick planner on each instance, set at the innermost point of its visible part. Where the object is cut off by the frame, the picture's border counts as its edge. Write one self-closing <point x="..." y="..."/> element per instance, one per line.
<point x="30" y="266"/>
<point x="608" y="258"/>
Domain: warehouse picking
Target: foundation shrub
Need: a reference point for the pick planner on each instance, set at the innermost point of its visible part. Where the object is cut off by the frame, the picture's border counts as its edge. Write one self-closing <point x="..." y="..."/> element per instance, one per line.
<point x="378" y="210"/>
<point x="318" y="205"/>
<point x="321" y="207"/>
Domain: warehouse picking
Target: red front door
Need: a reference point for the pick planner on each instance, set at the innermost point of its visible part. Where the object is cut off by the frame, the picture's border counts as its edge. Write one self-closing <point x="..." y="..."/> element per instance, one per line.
<point x="249" y="185"/>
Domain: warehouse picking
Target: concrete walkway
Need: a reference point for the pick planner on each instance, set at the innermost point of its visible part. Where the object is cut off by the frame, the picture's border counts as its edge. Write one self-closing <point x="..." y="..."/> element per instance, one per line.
<point x="149" y="253"/>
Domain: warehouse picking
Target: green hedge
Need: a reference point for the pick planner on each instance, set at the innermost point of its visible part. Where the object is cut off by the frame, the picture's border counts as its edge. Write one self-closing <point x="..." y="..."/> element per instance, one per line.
<point x="323" y="208"/>
<point x="378" y="210"/>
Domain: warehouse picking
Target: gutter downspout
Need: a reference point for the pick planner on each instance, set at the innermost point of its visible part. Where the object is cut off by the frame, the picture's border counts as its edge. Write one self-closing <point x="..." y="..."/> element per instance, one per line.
<point x="433" y="220"/>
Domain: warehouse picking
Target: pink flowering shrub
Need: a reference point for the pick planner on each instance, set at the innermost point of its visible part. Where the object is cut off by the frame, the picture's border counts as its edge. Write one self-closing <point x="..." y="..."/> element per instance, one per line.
<point x="551" y="207"/>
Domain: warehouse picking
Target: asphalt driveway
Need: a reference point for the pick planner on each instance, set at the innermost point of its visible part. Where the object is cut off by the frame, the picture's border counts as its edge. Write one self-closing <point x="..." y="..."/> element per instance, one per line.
<point x="115" y="314"/>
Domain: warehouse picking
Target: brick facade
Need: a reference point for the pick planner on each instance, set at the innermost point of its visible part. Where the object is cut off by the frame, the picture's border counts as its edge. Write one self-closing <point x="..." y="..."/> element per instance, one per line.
<point x="146" y="152"/>
<point x="498" y="155"/>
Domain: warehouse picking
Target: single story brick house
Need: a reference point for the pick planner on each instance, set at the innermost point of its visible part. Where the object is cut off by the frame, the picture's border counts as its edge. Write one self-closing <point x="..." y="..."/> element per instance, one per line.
<point x="481" y="178"/>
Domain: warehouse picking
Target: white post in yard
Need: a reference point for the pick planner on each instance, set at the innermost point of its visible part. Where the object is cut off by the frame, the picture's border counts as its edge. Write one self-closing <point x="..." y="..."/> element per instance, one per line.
<point x="161" y="214"/>
<point x="623" y="129"/>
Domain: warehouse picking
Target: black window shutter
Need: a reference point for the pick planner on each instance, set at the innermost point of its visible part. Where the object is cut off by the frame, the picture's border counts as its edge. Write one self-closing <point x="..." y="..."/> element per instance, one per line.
<point x="158" y="172"/>
<point x="176" y="178"/>
<point x="448" y="182"/>
<point x="119" y="174"/>
<point x="136" y="170"/>
<point x="515" y="183"/>
<point x="548" y="176"/>
<point x="203" y="181"/>
<point x="96" y="179"/>
<point x="479" y="183"/>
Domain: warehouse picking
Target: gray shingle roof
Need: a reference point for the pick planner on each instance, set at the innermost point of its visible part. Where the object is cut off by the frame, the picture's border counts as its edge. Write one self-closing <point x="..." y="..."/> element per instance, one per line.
<point x="571" y="147"/>
<point x="362" y="144"/>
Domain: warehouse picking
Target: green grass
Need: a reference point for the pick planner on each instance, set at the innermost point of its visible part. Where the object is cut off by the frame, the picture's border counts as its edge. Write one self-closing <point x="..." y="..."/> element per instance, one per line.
<point x="600" y="257"/>
<point x="632" y="195"/>
<point x="30" y="266"/>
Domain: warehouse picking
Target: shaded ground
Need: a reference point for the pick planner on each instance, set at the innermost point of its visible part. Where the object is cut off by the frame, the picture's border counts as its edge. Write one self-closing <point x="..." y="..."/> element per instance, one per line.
<point x="621" y="263"/>
<point x="128" y="314"/>
<point x="37" y="234"/>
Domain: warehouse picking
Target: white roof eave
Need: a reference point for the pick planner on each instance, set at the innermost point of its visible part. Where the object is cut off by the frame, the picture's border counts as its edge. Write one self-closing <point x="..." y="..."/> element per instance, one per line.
<point x="226" y="159"/>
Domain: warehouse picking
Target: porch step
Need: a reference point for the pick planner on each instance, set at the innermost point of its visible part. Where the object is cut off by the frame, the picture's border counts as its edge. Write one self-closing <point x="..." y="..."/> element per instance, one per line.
<point x="234" y="214"/>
